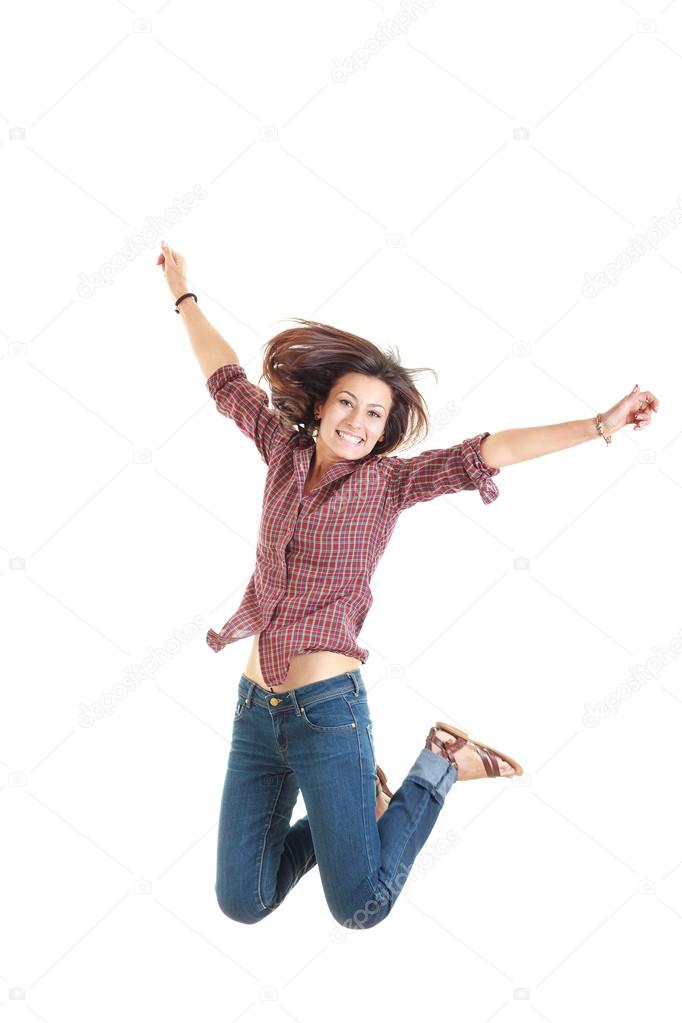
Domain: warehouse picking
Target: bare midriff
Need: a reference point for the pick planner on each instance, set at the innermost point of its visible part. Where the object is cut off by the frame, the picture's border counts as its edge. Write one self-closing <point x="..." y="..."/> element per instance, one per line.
<point x="303" y="668"/>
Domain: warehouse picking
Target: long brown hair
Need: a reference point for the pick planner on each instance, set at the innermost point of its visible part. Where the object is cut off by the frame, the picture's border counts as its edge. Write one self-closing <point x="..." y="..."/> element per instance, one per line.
<point x="302" y="364"/>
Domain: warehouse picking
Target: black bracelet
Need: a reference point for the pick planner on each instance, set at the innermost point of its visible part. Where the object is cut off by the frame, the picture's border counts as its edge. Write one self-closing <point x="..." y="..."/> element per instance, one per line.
<point x="188" y="294"/>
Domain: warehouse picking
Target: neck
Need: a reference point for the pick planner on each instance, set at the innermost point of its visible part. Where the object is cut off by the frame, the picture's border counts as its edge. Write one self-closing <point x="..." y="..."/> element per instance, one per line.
<point x="319" y="464"/>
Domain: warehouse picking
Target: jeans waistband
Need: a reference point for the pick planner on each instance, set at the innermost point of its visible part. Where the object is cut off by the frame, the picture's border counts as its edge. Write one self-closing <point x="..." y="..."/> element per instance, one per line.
<point x="302" y="696"/>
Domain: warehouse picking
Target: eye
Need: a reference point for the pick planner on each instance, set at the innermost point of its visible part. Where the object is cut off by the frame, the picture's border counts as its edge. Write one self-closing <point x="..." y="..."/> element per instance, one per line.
<point x="377" y="414"/>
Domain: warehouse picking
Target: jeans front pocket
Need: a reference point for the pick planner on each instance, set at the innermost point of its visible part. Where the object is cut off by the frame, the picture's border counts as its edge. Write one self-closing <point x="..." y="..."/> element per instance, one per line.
<point x="332" y="714"/>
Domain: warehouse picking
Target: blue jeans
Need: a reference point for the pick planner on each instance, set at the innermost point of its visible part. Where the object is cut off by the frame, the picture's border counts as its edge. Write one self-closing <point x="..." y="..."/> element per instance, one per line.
<point x="317" y="740"/>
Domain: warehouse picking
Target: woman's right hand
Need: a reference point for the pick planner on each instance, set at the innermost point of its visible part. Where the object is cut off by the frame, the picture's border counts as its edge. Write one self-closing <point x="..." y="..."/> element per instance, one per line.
<point x="174" y="269"/>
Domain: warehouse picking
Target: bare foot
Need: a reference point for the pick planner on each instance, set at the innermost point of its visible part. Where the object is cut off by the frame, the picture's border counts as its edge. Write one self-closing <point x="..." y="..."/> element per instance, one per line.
<point x="469" y="763"/>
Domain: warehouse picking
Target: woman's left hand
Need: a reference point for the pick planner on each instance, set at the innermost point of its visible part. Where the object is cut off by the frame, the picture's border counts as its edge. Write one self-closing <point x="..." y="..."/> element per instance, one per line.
<point x="636" y="407"/>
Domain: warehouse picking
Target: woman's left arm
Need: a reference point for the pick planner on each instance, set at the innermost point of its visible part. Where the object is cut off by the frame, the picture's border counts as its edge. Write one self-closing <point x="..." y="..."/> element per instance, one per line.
<point x="510" y="446"/>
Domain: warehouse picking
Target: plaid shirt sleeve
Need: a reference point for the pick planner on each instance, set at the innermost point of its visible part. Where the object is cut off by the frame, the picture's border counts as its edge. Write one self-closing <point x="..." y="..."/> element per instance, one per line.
<point x="248" y="405"/>
<point x="442" y="471"/>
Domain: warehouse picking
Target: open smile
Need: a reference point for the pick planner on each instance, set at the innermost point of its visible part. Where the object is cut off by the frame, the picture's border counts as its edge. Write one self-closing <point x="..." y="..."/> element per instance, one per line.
<point x="349" y="438"/>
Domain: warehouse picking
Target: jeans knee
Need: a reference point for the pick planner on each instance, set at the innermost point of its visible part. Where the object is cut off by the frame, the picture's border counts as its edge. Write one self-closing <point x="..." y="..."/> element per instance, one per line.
<point x="361" y="918"/>
<point x="237" y="909"/>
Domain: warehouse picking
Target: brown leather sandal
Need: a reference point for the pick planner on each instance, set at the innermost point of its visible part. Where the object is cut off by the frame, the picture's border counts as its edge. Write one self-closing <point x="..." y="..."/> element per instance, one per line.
<point x="382" y="783"/>
<point x="486" y="753"/>
<point x="384" y="794"/>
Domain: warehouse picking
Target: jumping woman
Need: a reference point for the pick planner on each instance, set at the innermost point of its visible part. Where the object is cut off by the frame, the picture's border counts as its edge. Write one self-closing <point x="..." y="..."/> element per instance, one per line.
<point x="333" y="494"/>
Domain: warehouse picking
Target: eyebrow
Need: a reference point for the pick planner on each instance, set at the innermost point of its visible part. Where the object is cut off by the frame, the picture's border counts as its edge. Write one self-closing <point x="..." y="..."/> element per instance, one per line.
<point x="344" y="391"/>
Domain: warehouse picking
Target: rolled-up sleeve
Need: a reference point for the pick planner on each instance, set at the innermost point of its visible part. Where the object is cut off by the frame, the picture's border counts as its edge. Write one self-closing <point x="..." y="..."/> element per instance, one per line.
<point x="442" y="471"/>
<point x="248" y="405"/>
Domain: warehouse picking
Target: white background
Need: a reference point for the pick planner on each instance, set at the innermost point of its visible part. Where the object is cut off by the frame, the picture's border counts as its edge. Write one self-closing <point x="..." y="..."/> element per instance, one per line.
<point x="444" y="187"/>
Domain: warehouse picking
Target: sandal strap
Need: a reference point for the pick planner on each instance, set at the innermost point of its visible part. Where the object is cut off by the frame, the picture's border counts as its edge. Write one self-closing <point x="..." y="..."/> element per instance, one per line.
<point x="492" y="768"/>
<point x="450" y="747"/>
<point x="382" y="783"/>
<point x="488" y="759"/>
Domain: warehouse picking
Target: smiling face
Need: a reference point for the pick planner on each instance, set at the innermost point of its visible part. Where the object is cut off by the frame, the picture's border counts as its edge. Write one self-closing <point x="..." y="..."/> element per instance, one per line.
<point x="353" y="417"/>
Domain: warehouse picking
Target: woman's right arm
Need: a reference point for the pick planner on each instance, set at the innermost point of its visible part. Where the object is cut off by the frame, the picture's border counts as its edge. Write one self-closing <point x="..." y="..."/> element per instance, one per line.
<point x="211" y="349"/>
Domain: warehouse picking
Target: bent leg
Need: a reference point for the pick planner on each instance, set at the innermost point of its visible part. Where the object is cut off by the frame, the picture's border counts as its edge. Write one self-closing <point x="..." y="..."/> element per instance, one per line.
<point x="260" y="856"/>
<point x="409" y="819"/>
<point x="364" y="863"/>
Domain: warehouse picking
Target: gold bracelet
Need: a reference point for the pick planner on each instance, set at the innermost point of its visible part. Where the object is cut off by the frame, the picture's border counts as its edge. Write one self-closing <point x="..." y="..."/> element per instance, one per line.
<point x="600" y="429"/>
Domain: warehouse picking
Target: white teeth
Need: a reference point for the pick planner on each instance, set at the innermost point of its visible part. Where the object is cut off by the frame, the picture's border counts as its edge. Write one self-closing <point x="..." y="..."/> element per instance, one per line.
<point x="348" y="436"/>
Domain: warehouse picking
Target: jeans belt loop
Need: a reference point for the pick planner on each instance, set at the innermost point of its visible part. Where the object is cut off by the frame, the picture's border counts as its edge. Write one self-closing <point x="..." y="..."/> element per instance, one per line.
<point x="249" y="695"/>
<point x="294" y="700"/>
<point x="354" y="680"/>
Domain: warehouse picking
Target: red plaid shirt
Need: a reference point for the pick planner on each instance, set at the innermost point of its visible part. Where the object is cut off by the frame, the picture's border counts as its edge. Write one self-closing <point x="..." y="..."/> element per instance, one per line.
<point x="316" y="552"/>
